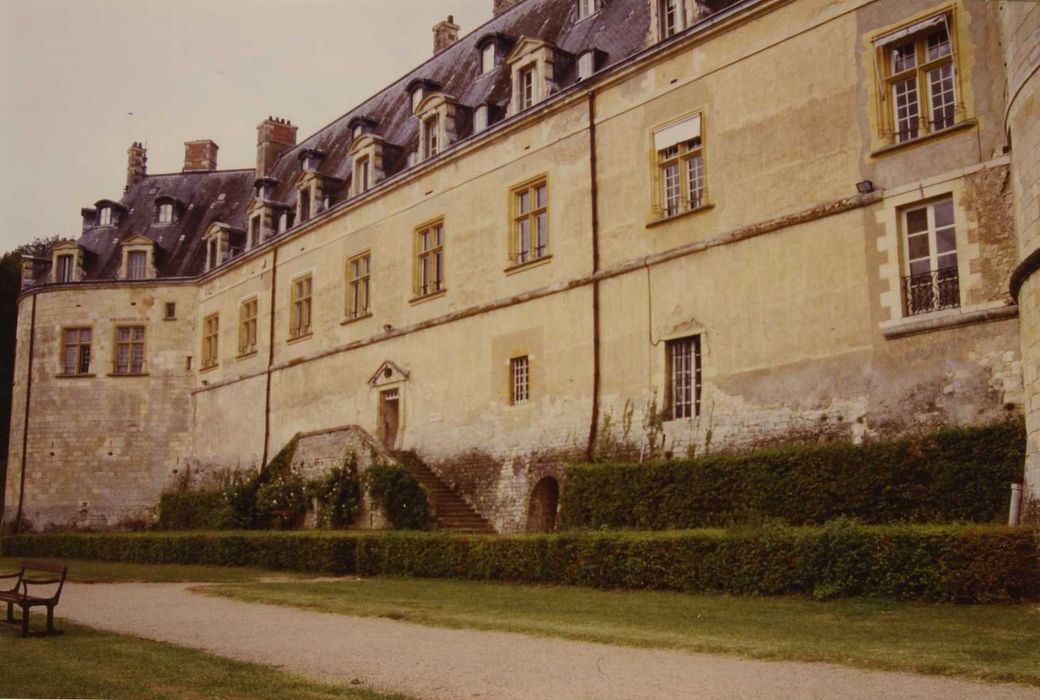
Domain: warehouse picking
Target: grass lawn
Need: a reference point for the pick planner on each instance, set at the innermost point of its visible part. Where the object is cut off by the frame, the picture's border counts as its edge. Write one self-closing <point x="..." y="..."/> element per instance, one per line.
<point x="85" y="663"/>
<point x="991" y="642"/>
<point x="88" y="571"/>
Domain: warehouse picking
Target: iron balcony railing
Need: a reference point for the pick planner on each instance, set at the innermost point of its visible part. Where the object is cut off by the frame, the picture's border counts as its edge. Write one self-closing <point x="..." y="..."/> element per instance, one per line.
<point x="932" y="291"/>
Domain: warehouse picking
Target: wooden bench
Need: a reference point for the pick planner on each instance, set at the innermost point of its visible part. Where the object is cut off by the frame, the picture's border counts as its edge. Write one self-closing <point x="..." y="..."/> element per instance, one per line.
<point x="19" y="594"/>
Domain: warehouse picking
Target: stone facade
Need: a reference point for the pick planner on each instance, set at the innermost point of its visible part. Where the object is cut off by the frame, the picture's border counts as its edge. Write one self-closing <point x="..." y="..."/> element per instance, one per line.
<point x="790" y="272"/>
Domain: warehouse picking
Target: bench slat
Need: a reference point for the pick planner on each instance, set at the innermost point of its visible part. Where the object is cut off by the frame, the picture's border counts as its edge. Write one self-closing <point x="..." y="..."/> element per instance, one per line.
<point x="44" y="566"/>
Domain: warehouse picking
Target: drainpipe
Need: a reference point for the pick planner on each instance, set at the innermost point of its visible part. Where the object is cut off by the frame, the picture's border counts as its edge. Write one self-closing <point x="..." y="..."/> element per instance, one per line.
<point x="270" y="355"/>
<point x="25" y="419"/>
<point x="590" y="451"/>
<point x="1015" y="511"/>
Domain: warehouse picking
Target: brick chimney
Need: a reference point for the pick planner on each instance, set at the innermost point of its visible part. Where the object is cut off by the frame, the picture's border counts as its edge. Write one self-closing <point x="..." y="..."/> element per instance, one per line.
<point x="445" y="34"/>
<point x="273" y="137"/>
<point x="136" y="164"/>
<point x="200" y="155"/>
<point x="503" y="5"/>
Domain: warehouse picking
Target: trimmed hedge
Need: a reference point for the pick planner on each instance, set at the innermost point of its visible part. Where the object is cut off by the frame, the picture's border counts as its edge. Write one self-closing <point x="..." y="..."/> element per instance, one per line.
<point x="957" y="474"/>
<point x="195" y="510"/>
<point x="961" y="563"/>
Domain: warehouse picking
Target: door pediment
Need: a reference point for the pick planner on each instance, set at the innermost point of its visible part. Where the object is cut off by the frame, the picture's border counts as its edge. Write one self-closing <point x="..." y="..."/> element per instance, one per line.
<point x="388" y="373"/>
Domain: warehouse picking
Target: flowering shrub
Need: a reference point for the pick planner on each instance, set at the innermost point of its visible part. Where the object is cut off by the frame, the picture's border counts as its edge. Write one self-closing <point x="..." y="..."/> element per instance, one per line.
<point x="401" y="497"/>
<point x="339" y="495"/>
<point x="282" y="501"/>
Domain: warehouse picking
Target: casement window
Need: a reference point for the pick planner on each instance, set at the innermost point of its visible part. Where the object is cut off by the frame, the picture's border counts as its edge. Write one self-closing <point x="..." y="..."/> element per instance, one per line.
<point x="75" y="351"/>
<point x="683" y="380"/>
<point x="680" y="167"/>
<point x="247" y="324"/>
<point x="105" y="216"/>
<point x="586" y="64"/>
<point x="66" y="271"/>
<point x="363" y="172"/>
<point x="129" y="357"/>
<point x="519" y="380"/>
<point x="431" y="136"/>
<point x="488" y="58"/>
<point x="286" y="221"/>
<point x="429" y="259"/>
<point x="525" y="89"/>
<point x="530" y="227"/>
<point x="358" y="285"/>
<point x="300" y="317"/>
<point x="213" y="252"/>
<point x="917" y="70"/>
<point x="304" y="204"/>
<point x="480" y="119"/>
<point x="137" y="265"/>
<point x="254" y="230"/>
<point x="170" y="311"/>
<point x="165" y="214"/>
<point x="417" y="96"/>
<point x="210" y="341"/>
<point x="587" y="8"/>
<point x="670" y="17"/>
<point x="930" y="251"/>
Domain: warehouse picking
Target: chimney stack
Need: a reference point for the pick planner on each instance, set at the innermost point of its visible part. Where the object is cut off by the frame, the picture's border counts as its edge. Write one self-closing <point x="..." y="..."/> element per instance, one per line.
<point x="200" y="155"/>
<point x="274" y="136"/>
<point x="503" y="5"/>
<point x="445" y="34"/>
<point x="136" y="164"/>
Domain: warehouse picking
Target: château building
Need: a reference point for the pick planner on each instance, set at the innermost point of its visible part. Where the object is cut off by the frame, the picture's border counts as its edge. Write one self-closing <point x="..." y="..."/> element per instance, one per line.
<point x="586" y="227"/>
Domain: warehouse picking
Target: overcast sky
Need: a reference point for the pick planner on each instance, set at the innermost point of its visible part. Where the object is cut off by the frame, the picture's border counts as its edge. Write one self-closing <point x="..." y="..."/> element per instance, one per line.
<point x="80" y="80"/>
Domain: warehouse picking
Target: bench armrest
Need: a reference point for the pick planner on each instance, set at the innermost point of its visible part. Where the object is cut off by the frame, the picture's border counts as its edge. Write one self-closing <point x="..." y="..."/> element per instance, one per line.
<point x="41" y="581"/>
<point x="10" y="575"/>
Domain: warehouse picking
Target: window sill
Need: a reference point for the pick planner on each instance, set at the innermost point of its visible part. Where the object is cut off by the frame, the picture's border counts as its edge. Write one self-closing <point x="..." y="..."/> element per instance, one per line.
<point x="347" y="320"/>
<point x="520" y="267"/>
<point x="169" y="318"/>
<point x="208" y="368"/>
<point x="428" y="297"/>
<point x="300" y="338"/>
<point x="931" y="136"/>
<point x="123" y="375"/>
<point x="667" y="219"/>
<point x="246" y="355"/>
<point x="74" y="376"/>
<point x="946" y="319"/>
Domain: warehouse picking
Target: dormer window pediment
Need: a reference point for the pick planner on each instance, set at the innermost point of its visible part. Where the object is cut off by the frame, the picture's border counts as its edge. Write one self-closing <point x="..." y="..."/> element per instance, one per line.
<point x="533" y="66"/>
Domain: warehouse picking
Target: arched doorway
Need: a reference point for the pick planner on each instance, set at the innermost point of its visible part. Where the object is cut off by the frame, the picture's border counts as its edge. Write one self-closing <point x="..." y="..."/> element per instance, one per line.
<point x="545" y="501"/>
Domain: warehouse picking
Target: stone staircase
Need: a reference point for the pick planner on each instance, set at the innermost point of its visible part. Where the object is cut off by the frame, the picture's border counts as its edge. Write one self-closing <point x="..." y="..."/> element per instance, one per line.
<point x="448" y="510"/>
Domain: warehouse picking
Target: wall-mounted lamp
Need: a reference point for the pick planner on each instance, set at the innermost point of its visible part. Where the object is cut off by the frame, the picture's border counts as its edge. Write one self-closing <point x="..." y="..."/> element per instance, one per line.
<point x="865" y="187"/>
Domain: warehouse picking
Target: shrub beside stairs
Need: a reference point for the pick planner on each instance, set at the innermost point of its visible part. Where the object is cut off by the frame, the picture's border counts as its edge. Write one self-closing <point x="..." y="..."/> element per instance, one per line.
<point x="448" y="510"/>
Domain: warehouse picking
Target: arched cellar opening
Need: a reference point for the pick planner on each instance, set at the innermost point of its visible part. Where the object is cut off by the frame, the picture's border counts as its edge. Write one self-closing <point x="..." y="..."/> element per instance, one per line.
<point x="544" y="504"/>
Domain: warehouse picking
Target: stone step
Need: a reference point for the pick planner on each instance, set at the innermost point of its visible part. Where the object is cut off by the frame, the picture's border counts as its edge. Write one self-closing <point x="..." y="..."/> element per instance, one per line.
<point x="451" y="511"/>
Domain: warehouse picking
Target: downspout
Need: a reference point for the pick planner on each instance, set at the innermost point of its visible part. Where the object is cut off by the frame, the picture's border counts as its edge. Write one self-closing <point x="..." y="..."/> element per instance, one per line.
<point x="25" y="419"/>
<point x="590" y="451"/>
<point x="270" y="355"/>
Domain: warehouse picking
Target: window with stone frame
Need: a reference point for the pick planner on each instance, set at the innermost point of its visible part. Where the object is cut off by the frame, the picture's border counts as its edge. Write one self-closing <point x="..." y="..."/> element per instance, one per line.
<point x="137" y="265"/>
<point x="359" y="270"/>
<point x="670" y="17"/>
<point x="303" y="204"/>
<point x="363" y="173"/>
<point x="683" y="377"/>
<point x="429" y="259"/>
<point x="129" y="350"/>
<point x="917" y="67"/>
<point x="525" y="90"/>
<point x="210" y="341"/>
<point x="105" y="216"/>
<point x="255" y="230"/>
<point x="679" y="181"/>
<point x="164" y="213"/>
<point x="431" y="135"/>
<point x="529" y="239"/>
<point x="75" y="351"/>
<point x="66" y="270"/>
<point x="932" y="280"/>
<point x="247" y="326"/>
<point x="300" y="316"/>
<point x="519" y="380"/>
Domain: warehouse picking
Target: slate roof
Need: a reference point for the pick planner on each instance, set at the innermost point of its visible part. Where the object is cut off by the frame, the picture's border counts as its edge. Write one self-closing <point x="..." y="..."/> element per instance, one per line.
<point x="619" y="29"/>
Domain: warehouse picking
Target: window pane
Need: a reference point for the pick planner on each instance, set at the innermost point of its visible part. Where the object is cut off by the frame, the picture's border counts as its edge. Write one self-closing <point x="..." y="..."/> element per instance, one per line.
<point x="944" y="213"/>
<point x="523" y="202"/>
<point x="543" y="234"/>
<point x="903" y="57"/>
<point x="938" y="44"/>
<point x="542" y="196"/>
<point x="917" y="221"/>
<point x="945" y="241"/>
<point x="918" y="246"/>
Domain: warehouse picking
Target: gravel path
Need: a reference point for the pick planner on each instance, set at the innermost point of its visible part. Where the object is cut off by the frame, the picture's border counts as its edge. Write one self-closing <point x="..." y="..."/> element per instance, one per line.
<point x="429" y="662"/>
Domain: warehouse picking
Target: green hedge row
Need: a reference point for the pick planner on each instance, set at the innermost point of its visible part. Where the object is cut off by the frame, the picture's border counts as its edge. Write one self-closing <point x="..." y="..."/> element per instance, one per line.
<point x="962" y="563"/>
<point x="958" y="474"/>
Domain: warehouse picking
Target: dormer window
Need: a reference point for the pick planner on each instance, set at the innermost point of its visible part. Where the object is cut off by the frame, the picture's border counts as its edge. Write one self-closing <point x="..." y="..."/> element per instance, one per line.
<point x="417" y="95"/>
<point x="586" y="65"/>
<point x="165" y="214"/>
<point x="363" y="173"/>
<point x="138" y="262"/>
<point x="431" y="134"/>
<point x="418" y="89"/>
<point x="480" y="119"/>
<point x="286" y="221"/>
<point x="223" y="243"/>
<point x="105" y="216"/>
<point x="587" y="8"/>
<point x="65" y="262"/>
<point x="136" y="265"/>
<point x="367" y="169"/>
<point x="255" y="228"/>
<point x="670" y="18"/>
<point x="303" y="204"/>
<point x="358" y="130"/>
<point x="525" y="88"/>
<point x="66" y="268"/>
<point x="488" y="58"/>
